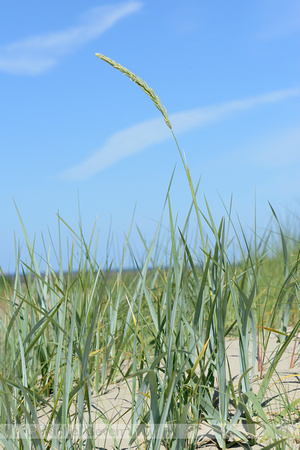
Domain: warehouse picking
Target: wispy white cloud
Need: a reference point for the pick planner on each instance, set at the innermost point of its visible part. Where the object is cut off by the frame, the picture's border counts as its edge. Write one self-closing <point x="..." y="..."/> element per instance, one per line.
<point x="274" y="165"/>
<point x="119" y="146"/>
<point x="277" y="152"/>
<point x="187" y="120"/>
<point x="140" y="136"/>
<point x="280" y="19"/>
<point x="37" y="54"/>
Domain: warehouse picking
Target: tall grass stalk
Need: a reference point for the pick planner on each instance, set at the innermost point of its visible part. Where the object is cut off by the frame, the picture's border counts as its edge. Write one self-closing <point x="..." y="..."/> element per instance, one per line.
<point x="221" y="288"/>
<point x="162" y="330"/>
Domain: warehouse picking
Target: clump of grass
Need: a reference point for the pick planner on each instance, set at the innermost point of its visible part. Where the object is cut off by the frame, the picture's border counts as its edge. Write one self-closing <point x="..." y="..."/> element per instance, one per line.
<point x="162" y="329"/>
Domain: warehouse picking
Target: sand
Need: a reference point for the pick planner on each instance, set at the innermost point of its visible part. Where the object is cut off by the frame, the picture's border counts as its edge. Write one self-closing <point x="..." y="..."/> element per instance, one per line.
<point x="114" y="405"/>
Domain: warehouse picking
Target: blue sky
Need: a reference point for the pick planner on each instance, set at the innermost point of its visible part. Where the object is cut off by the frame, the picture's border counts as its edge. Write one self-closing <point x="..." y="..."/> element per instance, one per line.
<point x="74" y="129"/>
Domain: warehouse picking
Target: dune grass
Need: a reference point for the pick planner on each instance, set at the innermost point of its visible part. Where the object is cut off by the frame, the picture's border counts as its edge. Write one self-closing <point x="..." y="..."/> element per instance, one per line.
<point x="162" y="329"/>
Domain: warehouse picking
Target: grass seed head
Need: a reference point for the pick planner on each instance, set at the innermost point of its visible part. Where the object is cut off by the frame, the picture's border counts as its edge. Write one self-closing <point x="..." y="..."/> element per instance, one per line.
<point x="141" y="84"/>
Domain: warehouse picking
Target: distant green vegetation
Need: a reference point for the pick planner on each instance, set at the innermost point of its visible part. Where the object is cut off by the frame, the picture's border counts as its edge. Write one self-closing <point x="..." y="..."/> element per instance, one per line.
<point x="5" y="282"/>
<point x="162" y="328"/>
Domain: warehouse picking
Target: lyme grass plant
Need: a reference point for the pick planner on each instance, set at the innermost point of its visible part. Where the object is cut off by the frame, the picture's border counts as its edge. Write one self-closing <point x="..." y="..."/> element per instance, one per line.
<point x="162" y="331"/>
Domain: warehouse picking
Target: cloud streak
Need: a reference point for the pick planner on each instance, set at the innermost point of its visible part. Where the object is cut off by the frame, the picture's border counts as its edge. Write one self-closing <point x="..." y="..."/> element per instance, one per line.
<point x="143" y="135"/>
<point x="279" y="152"/>
<point x="38" y="54"/>
<point x="281" y="20"/>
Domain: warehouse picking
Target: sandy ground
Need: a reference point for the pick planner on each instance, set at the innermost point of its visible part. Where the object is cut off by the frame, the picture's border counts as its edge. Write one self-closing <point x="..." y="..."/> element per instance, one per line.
<point x="114" y="406"/>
